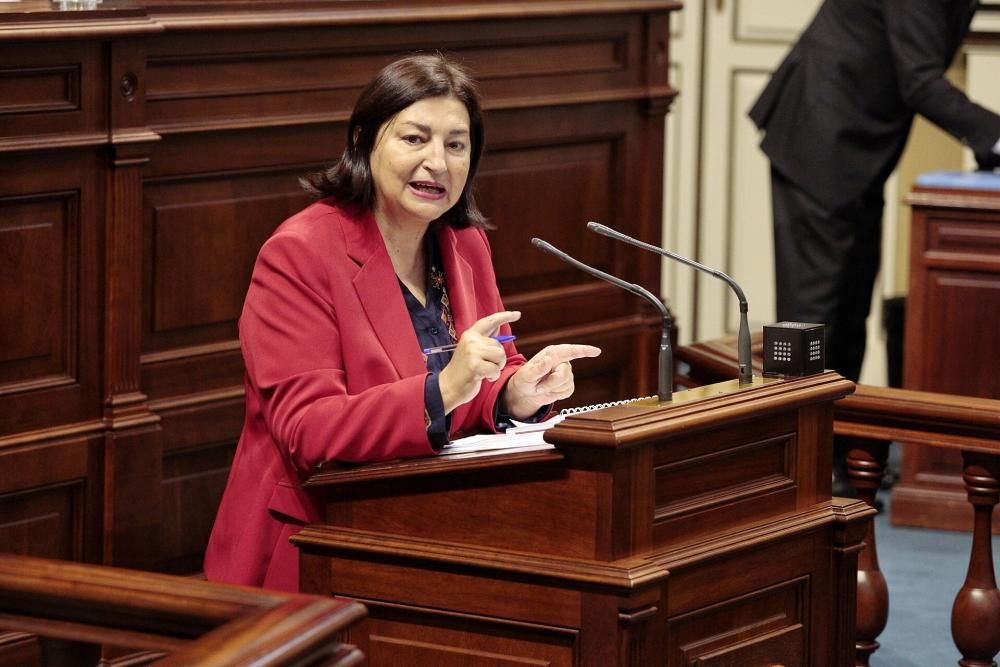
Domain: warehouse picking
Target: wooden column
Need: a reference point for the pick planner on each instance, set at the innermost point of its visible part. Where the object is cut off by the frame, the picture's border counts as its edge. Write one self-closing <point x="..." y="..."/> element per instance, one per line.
<point x="975" y="616"/>
<point x="865" y="469"/>
<point x="849" y="544"/>
<point x="133" y="457"/>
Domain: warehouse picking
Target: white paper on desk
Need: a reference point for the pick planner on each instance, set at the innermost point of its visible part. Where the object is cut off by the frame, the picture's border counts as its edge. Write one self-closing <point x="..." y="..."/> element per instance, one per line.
<point x="522" y="427"/>
<point x="490" y="441"/>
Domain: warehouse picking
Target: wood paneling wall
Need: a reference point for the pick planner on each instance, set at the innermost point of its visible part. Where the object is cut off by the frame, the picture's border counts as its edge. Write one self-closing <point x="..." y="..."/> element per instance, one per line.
<point x="147" y="151"/>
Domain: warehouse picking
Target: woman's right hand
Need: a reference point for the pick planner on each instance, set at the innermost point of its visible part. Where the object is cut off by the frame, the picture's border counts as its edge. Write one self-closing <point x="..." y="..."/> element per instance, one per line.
<point x="477" y="357"/>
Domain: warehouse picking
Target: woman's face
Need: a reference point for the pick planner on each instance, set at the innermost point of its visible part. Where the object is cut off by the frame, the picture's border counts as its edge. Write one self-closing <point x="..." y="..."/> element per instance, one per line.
<point x="420" y="161"/>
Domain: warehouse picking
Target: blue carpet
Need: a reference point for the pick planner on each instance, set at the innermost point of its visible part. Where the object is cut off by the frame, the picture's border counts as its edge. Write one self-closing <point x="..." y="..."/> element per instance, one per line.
<point x="924" y="569"/>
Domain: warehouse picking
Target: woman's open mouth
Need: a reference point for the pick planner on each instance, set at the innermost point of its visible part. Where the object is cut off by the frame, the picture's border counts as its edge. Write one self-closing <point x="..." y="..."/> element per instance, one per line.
<point x="427" y="190"/>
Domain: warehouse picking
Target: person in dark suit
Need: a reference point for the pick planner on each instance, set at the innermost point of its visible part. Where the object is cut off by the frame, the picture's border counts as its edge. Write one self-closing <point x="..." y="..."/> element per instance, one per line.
<point x="836" y="115"/>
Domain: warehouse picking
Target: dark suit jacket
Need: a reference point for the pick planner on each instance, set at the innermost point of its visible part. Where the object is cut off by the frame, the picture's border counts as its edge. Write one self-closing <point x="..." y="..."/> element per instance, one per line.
<point x="333" y="371"/>
<point x="838" y="110"/>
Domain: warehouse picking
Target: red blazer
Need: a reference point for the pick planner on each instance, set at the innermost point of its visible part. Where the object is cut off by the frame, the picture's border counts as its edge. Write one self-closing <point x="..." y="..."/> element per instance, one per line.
<point x="333" y="371"/>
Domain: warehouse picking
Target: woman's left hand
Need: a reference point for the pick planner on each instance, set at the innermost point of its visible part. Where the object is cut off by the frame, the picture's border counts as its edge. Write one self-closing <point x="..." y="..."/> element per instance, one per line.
<point x="546" y="378"/>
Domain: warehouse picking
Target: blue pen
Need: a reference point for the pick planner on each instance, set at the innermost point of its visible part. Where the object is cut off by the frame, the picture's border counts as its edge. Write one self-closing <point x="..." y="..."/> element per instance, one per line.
<point x="451" y="348"/>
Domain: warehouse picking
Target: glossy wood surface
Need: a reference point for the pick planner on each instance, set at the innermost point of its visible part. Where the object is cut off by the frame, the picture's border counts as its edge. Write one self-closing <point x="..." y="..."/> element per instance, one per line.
<point x="75" y="608"/>
<point x="952" y="310"/>
<point x="869" y="420"/>
<point x="699" y="532"/>
<point x="147" y="149"/>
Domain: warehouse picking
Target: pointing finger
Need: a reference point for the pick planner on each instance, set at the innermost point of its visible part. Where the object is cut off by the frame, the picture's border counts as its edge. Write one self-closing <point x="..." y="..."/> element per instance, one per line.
<point x="553" y="355"/>
<point x="489" y="325"/>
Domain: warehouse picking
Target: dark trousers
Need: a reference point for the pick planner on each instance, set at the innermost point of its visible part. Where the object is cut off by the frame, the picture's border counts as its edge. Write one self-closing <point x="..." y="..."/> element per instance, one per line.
<point x="826" y="263"/>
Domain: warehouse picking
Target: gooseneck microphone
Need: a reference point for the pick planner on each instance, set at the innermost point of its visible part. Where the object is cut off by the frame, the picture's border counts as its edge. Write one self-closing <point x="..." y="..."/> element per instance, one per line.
<point x="743" y="340"/>
<point x="665" y="385"/>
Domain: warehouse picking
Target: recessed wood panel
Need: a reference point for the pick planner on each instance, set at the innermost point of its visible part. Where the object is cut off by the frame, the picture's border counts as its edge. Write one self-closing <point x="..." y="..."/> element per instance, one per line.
<point x="463" y="592"/>
<point x="221" y="78"/>
<point x="964" y="236"/>
<point x="39" y="89"/>
<point x="186" y="370"/>
<point x="425" y="637"/>
<point x="957" y="333"/>
<point x="199" y="440"/>
<point x="766" y="627"/>
<point x="193" y="482"/>
<point x="50" y="251"/>
<point x="724" y="476"/>
<point x="482" y="508"/>
<point x="193" y="247"/>
<point x="708" y="481"/>
<point x="45" y="522"/>
<point x="568" y="185"/>
<point x="38" y="286"/>
<point x="298" y="149"/>
<point x="202" y="239"/>
<point x="47" y="89"/>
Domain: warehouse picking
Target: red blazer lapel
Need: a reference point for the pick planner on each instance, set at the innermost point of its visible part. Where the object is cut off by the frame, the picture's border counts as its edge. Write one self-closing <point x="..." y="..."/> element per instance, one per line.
<point x="379" y="292"/>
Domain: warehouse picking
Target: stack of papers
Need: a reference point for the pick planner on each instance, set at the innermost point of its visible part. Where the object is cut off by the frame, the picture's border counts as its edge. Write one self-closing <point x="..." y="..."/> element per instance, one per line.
<point x="519" y="436"/>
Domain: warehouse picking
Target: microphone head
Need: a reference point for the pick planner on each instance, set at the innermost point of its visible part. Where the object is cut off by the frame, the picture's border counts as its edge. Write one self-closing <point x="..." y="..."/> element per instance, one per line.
<point x="594" y="226"/>
<point x="540" y="244"/>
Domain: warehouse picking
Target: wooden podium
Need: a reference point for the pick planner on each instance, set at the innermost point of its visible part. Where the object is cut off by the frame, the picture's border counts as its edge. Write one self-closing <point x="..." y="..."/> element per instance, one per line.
<point x="951" y="347"/>
<point x="700" y="532"/>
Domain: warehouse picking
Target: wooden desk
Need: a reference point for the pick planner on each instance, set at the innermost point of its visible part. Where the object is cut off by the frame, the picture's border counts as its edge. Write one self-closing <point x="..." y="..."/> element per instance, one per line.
<point x="697" y="533"/>
<point x="149" y="147"/>
<point x="951" y="344"/>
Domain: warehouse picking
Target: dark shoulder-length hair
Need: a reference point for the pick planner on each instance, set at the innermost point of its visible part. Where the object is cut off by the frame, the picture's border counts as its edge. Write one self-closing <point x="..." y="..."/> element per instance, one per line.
<point x="394" y="88"/>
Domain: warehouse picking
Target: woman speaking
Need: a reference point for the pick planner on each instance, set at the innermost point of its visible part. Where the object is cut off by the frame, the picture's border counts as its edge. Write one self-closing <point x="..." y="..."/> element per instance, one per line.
<point x="347" y="297"/>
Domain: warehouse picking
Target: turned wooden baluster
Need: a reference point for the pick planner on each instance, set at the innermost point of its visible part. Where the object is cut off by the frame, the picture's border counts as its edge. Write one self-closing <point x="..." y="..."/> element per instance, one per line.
<point x="975" y="617"/>
<point x="865" y="469"/>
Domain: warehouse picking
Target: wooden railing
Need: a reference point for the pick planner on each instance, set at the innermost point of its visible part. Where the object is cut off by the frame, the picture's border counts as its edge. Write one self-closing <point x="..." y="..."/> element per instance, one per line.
<point x="76" y="608"/>
<point x="871" y="419"/>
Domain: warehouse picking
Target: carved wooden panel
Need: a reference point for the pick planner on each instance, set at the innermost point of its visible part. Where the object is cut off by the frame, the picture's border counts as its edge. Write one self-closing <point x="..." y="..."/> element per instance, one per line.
<point x="39" y="274"/>
<point x="462" y="593"/>
<point x="959" y="337"/>
<point x="49" y="254"/>
<point x="200" y="440"/>
<point x="950" y="346"/>
<point x="781" y="640"/>
<point x="47" y="508"/>
<point x="206" y="231"/>
<point x="492" y="508"/>
<point x="761" y="615"/>
<point x="220" y="78"/>
<point x="52" y="91"/>
<point x="414" y="636"/>
<point x="46" y="522"/>
<point x="707" y="481"/>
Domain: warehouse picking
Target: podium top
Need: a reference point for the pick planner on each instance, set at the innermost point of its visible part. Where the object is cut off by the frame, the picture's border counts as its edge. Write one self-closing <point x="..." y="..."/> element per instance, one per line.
<point x="701" y="408"/>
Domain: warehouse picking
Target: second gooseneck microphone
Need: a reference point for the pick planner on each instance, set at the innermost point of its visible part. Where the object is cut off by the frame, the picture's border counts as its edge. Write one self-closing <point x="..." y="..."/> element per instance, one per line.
<point x="743" y="339"/>
<point x="665" y="384"/>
